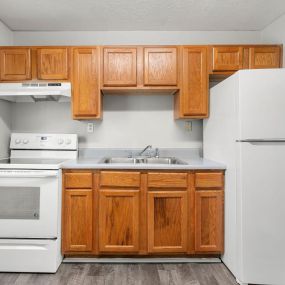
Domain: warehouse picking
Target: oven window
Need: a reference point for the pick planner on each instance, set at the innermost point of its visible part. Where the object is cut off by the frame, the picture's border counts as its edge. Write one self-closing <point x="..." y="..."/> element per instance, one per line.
<point x="20" y="203"/>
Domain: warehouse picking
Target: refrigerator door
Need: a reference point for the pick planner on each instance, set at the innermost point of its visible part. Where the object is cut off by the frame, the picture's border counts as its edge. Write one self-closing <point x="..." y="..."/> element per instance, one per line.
<point x="261" y="104"/>
<point x="261" y="204"/>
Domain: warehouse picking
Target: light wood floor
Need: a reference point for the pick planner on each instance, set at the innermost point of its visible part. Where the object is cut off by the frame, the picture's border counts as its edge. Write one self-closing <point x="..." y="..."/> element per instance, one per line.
<point x="130" y="274"/>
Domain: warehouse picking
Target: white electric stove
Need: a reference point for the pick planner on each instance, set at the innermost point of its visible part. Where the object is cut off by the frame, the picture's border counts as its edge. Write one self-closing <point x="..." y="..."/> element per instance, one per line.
<point x="30" y="201"/>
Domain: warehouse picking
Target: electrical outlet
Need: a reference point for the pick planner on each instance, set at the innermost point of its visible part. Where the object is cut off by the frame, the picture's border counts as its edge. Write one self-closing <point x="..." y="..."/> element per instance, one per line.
<point x="188" y="126"/>
<point x="90" y="128"/>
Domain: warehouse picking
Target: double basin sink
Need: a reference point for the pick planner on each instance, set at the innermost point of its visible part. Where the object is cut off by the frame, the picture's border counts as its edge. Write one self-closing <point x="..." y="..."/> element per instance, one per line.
<point x="143" y="160"/>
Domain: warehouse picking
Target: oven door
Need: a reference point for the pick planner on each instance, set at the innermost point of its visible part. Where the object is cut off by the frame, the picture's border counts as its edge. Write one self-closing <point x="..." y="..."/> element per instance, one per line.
<point x="29" y="202"/>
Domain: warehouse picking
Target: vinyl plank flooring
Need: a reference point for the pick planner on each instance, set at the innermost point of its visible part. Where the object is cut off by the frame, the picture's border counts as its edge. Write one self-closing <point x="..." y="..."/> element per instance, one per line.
<point x="127" y="274"/>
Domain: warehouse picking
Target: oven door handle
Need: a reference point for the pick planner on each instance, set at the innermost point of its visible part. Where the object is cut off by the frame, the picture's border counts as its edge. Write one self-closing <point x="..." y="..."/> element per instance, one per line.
<point x="27" y="174"/>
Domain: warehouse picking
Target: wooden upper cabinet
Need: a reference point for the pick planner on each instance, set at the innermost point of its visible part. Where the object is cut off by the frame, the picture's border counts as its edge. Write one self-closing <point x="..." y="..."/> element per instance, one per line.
<point x="160" y="66"/>
<point x="119" y="220"/>
<point x="265" y="57"/>
<point x="77" y="220"/>
<point x="15" y="64"/>
<point x="193" y="96"/>
<point x="209" y="217"/>
<point x="167" y="221"/>
<point x="53" y="63"/>
<point x="86" y="87"/>
<point x="119" y="67"/>
<point x="227" y="58"/>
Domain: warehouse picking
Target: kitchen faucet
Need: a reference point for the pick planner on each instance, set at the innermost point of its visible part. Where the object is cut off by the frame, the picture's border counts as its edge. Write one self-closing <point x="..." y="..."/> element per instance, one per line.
<point x="145" y="149"/>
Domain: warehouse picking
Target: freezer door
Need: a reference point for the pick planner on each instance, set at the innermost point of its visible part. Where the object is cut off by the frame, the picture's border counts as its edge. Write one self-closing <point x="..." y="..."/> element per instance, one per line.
<point x="261" y="104"/>
<point x="261" y="209"/>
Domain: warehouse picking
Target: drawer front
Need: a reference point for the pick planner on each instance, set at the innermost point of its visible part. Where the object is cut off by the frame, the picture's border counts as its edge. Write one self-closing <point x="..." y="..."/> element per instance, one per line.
<point x="167" y="180"/>
<point x="209" y="180"/>
<point x="120" y="179"/>
<point x="78" y="180"/>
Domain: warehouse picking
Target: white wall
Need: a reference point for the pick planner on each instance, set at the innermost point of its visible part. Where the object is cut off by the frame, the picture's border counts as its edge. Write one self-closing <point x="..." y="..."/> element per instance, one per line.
<point x="6" y="35"/>
<point x="134" y="37"/>
<point x="6" y="38"/>
<point x="129" y="121"/>
<point x="275" y="33"/>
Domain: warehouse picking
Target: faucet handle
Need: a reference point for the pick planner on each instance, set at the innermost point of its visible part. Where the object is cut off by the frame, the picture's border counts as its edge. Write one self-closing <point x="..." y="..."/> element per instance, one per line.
<point x="156" y="152"/>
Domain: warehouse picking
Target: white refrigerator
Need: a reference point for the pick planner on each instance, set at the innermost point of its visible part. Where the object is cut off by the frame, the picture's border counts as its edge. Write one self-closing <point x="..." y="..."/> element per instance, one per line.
<point x="246" y="131"/>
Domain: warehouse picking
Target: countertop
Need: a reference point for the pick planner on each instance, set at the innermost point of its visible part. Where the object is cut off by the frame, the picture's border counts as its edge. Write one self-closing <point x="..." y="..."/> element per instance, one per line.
<point x="90" y="159"/>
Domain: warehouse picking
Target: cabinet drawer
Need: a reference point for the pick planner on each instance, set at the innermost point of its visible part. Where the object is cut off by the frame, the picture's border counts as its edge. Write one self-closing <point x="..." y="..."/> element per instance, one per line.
<point x="120" y="179"/>
<point x="167" y="180"/>
<point x="78" y="180"/>
<point x="209" y="180"/>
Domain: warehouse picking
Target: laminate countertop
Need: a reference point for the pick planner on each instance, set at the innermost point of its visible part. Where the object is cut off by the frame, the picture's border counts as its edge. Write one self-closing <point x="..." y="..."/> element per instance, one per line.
<point x="92" y="159"/>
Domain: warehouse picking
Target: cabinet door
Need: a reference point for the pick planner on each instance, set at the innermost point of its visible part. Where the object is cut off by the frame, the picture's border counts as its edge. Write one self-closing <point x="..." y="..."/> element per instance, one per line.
<point x="264" y="57"/>
<point x="209" y="221"/>
<point x="194" y="92"/>
<point x="120" y="67"/>
<point x="86" y="89"/>
<point x="160" y="66"/>
<point x="77" y="220"/>
<point x="119" y="220"/>
<point x="227" y="58"/>
<point x="15" y="64"/>
<point x="167" y="221"/>
<point x="53" y="63"/>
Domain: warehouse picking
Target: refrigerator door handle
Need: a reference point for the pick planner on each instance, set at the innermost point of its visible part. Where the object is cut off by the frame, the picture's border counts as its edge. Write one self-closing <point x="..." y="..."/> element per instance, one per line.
<point x="261" y="140"/>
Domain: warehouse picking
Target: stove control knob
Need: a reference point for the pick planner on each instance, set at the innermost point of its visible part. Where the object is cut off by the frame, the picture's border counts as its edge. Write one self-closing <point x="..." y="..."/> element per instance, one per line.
<point x="68" y="141"/>
<point x="60" y="141"/>
<point x="25" y="141"/>
<point x="18" y="141"/>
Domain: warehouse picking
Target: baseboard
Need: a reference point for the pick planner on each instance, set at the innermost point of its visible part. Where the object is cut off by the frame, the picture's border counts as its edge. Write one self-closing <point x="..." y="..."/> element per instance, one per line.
<point x="140" y="260"/>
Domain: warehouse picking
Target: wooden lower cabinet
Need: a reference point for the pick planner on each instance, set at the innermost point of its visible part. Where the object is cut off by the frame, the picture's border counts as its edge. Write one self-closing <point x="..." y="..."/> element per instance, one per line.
<point x="77" y="220"/>
<point x="142" y="212"/>
<point x="167" y="221"/>
<point x="209" y="221"/>
<point x="118" y="220"/>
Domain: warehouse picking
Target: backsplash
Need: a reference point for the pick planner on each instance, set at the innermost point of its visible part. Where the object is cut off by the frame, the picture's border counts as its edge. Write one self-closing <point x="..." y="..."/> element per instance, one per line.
<point x="132" y="121"/>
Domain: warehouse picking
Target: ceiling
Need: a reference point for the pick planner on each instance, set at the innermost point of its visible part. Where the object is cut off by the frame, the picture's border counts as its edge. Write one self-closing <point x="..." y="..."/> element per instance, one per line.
<point x="131" y="15"/>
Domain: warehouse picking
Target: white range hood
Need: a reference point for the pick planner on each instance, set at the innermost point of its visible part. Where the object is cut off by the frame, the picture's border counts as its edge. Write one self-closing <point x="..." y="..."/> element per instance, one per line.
<point x="36" y="91"/>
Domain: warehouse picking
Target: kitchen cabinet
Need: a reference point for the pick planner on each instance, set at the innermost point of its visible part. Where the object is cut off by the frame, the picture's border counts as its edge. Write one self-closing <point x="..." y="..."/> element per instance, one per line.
<point x="264" y="57"/>
<point x="160" y="66"/>
<point x="167" y="212"/>
<point x="167" y="221"/>
<point x="119" y="220"/>
<point x="52" y="63"/>
<point x="77" y="220"/>
<point x="183" y="71"/>
<point x="227" y="58"/>
<point x="142" y="212"/>
<point x="77" y="212"/>
<point x="119" y="211"/>
<point x="15" y="64"/>
<point x="209" y="215"/>
<point x="119" y="66"/>
<point x="192" y="99"/>
<point x="86" y="100"/>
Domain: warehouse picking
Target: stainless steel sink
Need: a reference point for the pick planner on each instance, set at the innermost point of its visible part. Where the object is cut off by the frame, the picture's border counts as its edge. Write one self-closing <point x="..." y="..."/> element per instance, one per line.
<point x="164" y="160"/>
<point x="118" y="160"/>
<point x="143" y="160"/>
